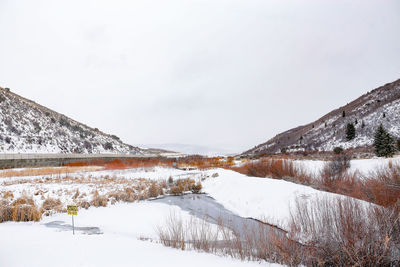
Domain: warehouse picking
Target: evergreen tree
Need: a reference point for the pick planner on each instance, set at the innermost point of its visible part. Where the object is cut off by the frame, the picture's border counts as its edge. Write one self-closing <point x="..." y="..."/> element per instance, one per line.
<point x="398" y="144"/>
<point x="350" y="132"/>
<point x="363" y="124"/>
<point x="344" y="114"/>
<point x="384" y="143"/>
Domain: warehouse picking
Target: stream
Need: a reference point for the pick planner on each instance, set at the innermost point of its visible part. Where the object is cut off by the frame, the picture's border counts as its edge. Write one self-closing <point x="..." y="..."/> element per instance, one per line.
<point x="205" y="207"/>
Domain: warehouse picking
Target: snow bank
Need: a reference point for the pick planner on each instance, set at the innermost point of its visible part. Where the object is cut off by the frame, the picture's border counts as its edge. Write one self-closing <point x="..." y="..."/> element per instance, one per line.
<point x="33" y="244"/>
<point x="262" y="198"/>
<point x="363" y="166"/>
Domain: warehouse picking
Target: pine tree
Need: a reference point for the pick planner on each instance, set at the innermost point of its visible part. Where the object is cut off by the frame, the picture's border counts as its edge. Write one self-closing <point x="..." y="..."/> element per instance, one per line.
<point x="350" y="132"/>
<point x="344" y="114"/>
<point x="363" y="124"/>
<point x="384" y="143"/>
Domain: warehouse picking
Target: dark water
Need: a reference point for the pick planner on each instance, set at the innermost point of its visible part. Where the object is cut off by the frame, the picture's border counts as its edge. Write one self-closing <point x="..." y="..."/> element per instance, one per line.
<point x="68" y="227"/>
<point x="205" y="207"/>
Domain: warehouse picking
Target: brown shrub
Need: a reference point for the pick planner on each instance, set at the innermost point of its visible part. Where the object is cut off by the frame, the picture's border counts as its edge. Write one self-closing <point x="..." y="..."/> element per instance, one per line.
<point x="51" y="204"/>
<point x="25" y="213"/>
<point x="197" y="188"/>
<point x="76" y="195"/>
<point x="383" y="186"/>
<point x="176" y="190"/>
<point x="85" y="205"/>
<point x="275" y="168"/>
<point x="8" y="195"/>
<point x="130" y="195"/>
<point x="5" y="211"/>
<point x="45" y="171"/>
<point x="127" y="195"/>
<point x="23" y="201"/>
<point x="98" y="200"/>
<point x="154" y="190"/>
<point x="346" y="232"/>
<point x="23" y="209"/>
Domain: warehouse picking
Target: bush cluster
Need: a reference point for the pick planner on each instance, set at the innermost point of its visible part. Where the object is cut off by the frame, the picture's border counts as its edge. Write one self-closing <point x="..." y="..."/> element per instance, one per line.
<point x="21" y="210"/>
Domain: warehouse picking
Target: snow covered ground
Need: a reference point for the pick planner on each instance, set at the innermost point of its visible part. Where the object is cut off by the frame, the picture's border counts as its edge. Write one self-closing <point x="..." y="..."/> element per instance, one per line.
<point x="123" y="225"/>
<point x="366" y="166"/>
<point x="269" y="200"/>
<point x="363" y="166"/>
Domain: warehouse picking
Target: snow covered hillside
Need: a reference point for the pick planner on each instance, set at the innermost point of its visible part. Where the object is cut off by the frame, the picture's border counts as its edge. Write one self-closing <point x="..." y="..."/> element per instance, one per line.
<point x="26" y="127"/>
<point x="379" y="106"/>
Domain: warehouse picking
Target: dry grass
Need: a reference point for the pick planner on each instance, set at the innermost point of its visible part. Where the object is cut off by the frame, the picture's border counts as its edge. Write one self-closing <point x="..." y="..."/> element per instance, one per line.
<point x="181" y="186"/>
<point x="105" y="190"/>
<point x="154" y="190"/>
<point x="125" y="195"/>
<point x="98" y="200"/>
<point x="46" y="171"/>
<point x="21" y="210"/>
<point x="8" y="195"/>
<point x="52" y="204"/>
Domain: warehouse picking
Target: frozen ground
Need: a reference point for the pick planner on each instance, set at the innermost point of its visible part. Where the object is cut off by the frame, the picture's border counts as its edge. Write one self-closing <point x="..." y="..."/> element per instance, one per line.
<point x="269" y="200"/>
<point x="123" y="225"/>
<point x="363" y="166"/>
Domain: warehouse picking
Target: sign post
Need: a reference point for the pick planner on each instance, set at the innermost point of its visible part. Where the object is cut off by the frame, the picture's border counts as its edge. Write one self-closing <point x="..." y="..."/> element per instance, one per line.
<point x="73" y="211"/>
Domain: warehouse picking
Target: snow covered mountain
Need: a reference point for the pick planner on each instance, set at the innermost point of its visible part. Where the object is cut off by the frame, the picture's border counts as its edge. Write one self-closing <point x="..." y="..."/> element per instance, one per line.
<point x="191" y="149"/>
<point x="381" y="105"/>
<point x="27" y="127"/>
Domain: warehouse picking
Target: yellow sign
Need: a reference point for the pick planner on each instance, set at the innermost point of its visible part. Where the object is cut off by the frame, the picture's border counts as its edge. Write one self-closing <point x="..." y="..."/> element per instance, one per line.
<point x="72" y="210"/>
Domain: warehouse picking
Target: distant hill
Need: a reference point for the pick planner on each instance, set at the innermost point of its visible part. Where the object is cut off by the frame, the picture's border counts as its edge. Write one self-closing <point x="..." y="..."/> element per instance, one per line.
<point x="27" y="127"/>
<point x="191" y="149"/>
<point x="381" y="105"/>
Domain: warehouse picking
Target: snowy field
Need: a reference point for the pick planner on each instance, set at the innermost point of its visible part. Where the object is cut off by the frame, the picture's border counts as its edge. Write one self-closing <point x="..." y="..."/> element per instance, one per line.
<point x="123" y="242"/>
<point x="269" y="200"/>
<point x="129" y="229"/>
<point x="362" y="166"/>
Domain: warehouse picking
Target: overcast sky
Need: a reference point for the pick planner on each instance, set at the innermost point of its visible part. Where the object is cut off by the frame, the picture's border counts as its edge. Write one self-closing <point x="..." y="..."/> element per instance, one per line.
<point x="220" y="73"/>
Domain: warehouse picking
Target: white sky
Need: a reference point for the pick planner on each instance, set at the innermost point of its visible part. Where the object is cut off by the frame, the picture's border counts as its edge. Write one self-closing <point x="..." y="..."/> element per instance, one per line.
<point x="222" y="73"/>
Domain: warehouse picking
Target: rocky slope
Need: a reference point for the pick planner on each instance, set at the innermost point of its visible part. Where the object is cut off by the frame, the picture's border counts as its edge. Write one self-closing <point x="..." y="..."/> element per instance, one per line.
<point x="27" y="127"/>
<point x="381" y="105"/>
